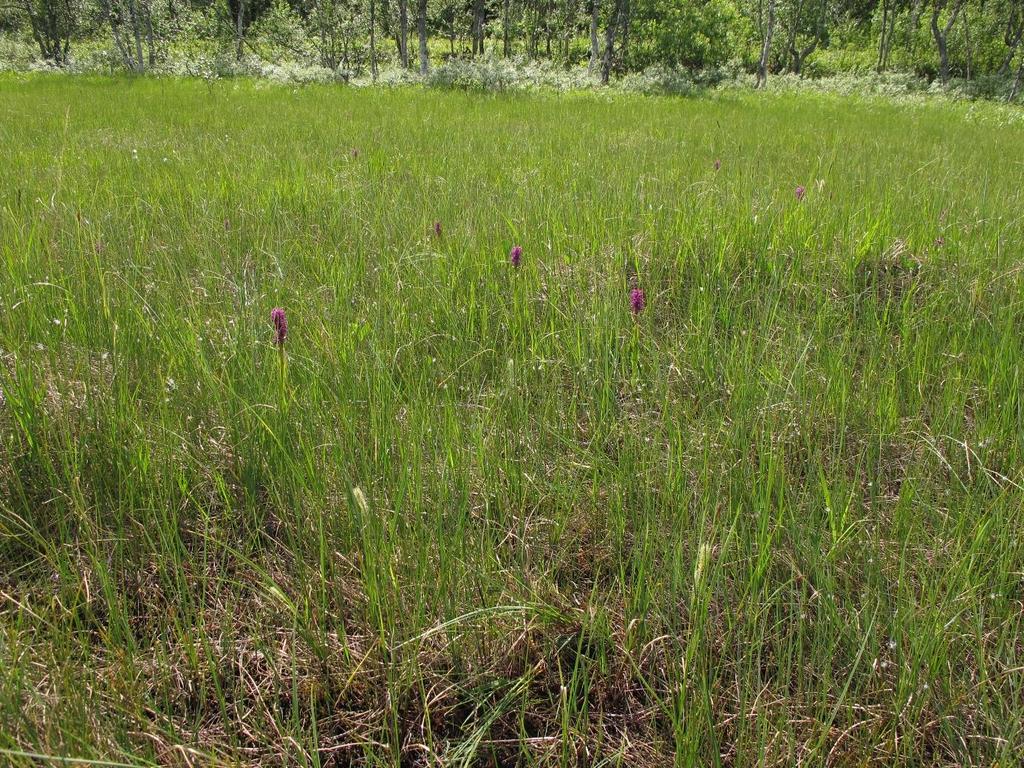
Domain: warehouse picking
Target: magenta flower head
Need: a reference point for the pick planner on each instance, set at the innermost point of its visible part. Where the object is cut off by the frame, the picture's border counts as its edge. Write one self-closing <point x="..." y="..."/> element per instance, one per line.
<point x="515" y="256"/>
<point x="718" y="165"/>
<point x="280" y="322"/>
<point x="437" y="229"/>
<point x="800" y="192"/>
<point x="637" y="301"/>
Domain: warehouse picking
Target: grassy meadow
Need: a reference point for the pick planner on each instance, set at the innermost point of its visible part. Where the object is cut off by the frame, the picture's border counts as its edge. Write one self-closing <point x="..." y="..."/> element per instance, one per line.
<point x="480" y="515"/>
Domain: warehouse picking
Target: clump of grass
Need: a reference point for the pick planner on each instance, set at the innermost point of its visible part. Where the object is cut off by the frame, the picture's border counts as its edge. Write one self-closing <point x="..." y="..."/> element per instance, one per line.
<point x="646" y="460"/>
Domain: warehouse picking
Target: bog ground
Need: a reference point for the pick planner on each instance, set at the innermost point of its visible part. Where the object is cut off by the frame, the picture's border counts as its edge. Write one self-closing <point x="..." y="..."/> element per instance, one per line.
<point x="487" y="515"/>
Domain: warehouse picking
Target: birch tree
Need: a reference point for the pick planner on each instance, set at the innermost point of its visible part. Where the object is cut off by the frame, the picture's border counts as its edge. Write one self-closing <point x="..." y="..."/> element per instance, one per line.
<point x="941" y="33"/>
<point x="52" y="23"/>
<point x="421" y="30"/>
<point x="131" y="26"/>
<point x="768" y="31"/>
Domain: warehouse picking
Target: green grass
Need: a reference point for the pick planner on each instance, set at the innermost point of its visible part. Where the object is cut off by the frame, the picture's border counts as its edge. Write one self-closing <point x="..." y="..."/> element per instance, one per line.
<point x="775" y="518"/>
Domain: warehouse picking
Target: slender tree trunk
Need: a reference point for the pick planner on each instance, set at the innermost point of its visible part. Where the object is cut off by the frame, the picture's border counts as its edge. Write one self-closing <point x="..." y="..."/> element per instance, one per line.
<point x="239" y="29"/>
<point x="36" y="27"/>
<point x="1012" y="36"/>
<point x="568" y="27"/>
<point x="967" y="42"/>
<point x="140" y="64"/>
<point x="769" y="32"/>
<point x="791" y="42"/>
<point x="532" y="17"/>
<point x="346" y="61"/>
<point x="479" y="23"/>
<point x="547" y="29"/>
<point x="52" y="30"/>
<point x="1017" y="81"/>
<point x="373" y="40"/>
<point x="506" y="30"/>
<point x="595" y="53"/>
<point x="890" y="37"/>
<point x="150" y="35"/>
<point x="624" y="31"/>
<point x="115" y="31"/>
<point x="942" y="35"/>
<point x="403" y="32"/>
<point x="421" y="29"/>
<point x="326" y="60"/>
<point x="609" y="41"/>
<point x="1012" y="43"/>
<point x="474" y="30"/>
<point x="880" y="66"/>
<point x="800" y="55"/>
<point x="940" y="42"/>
